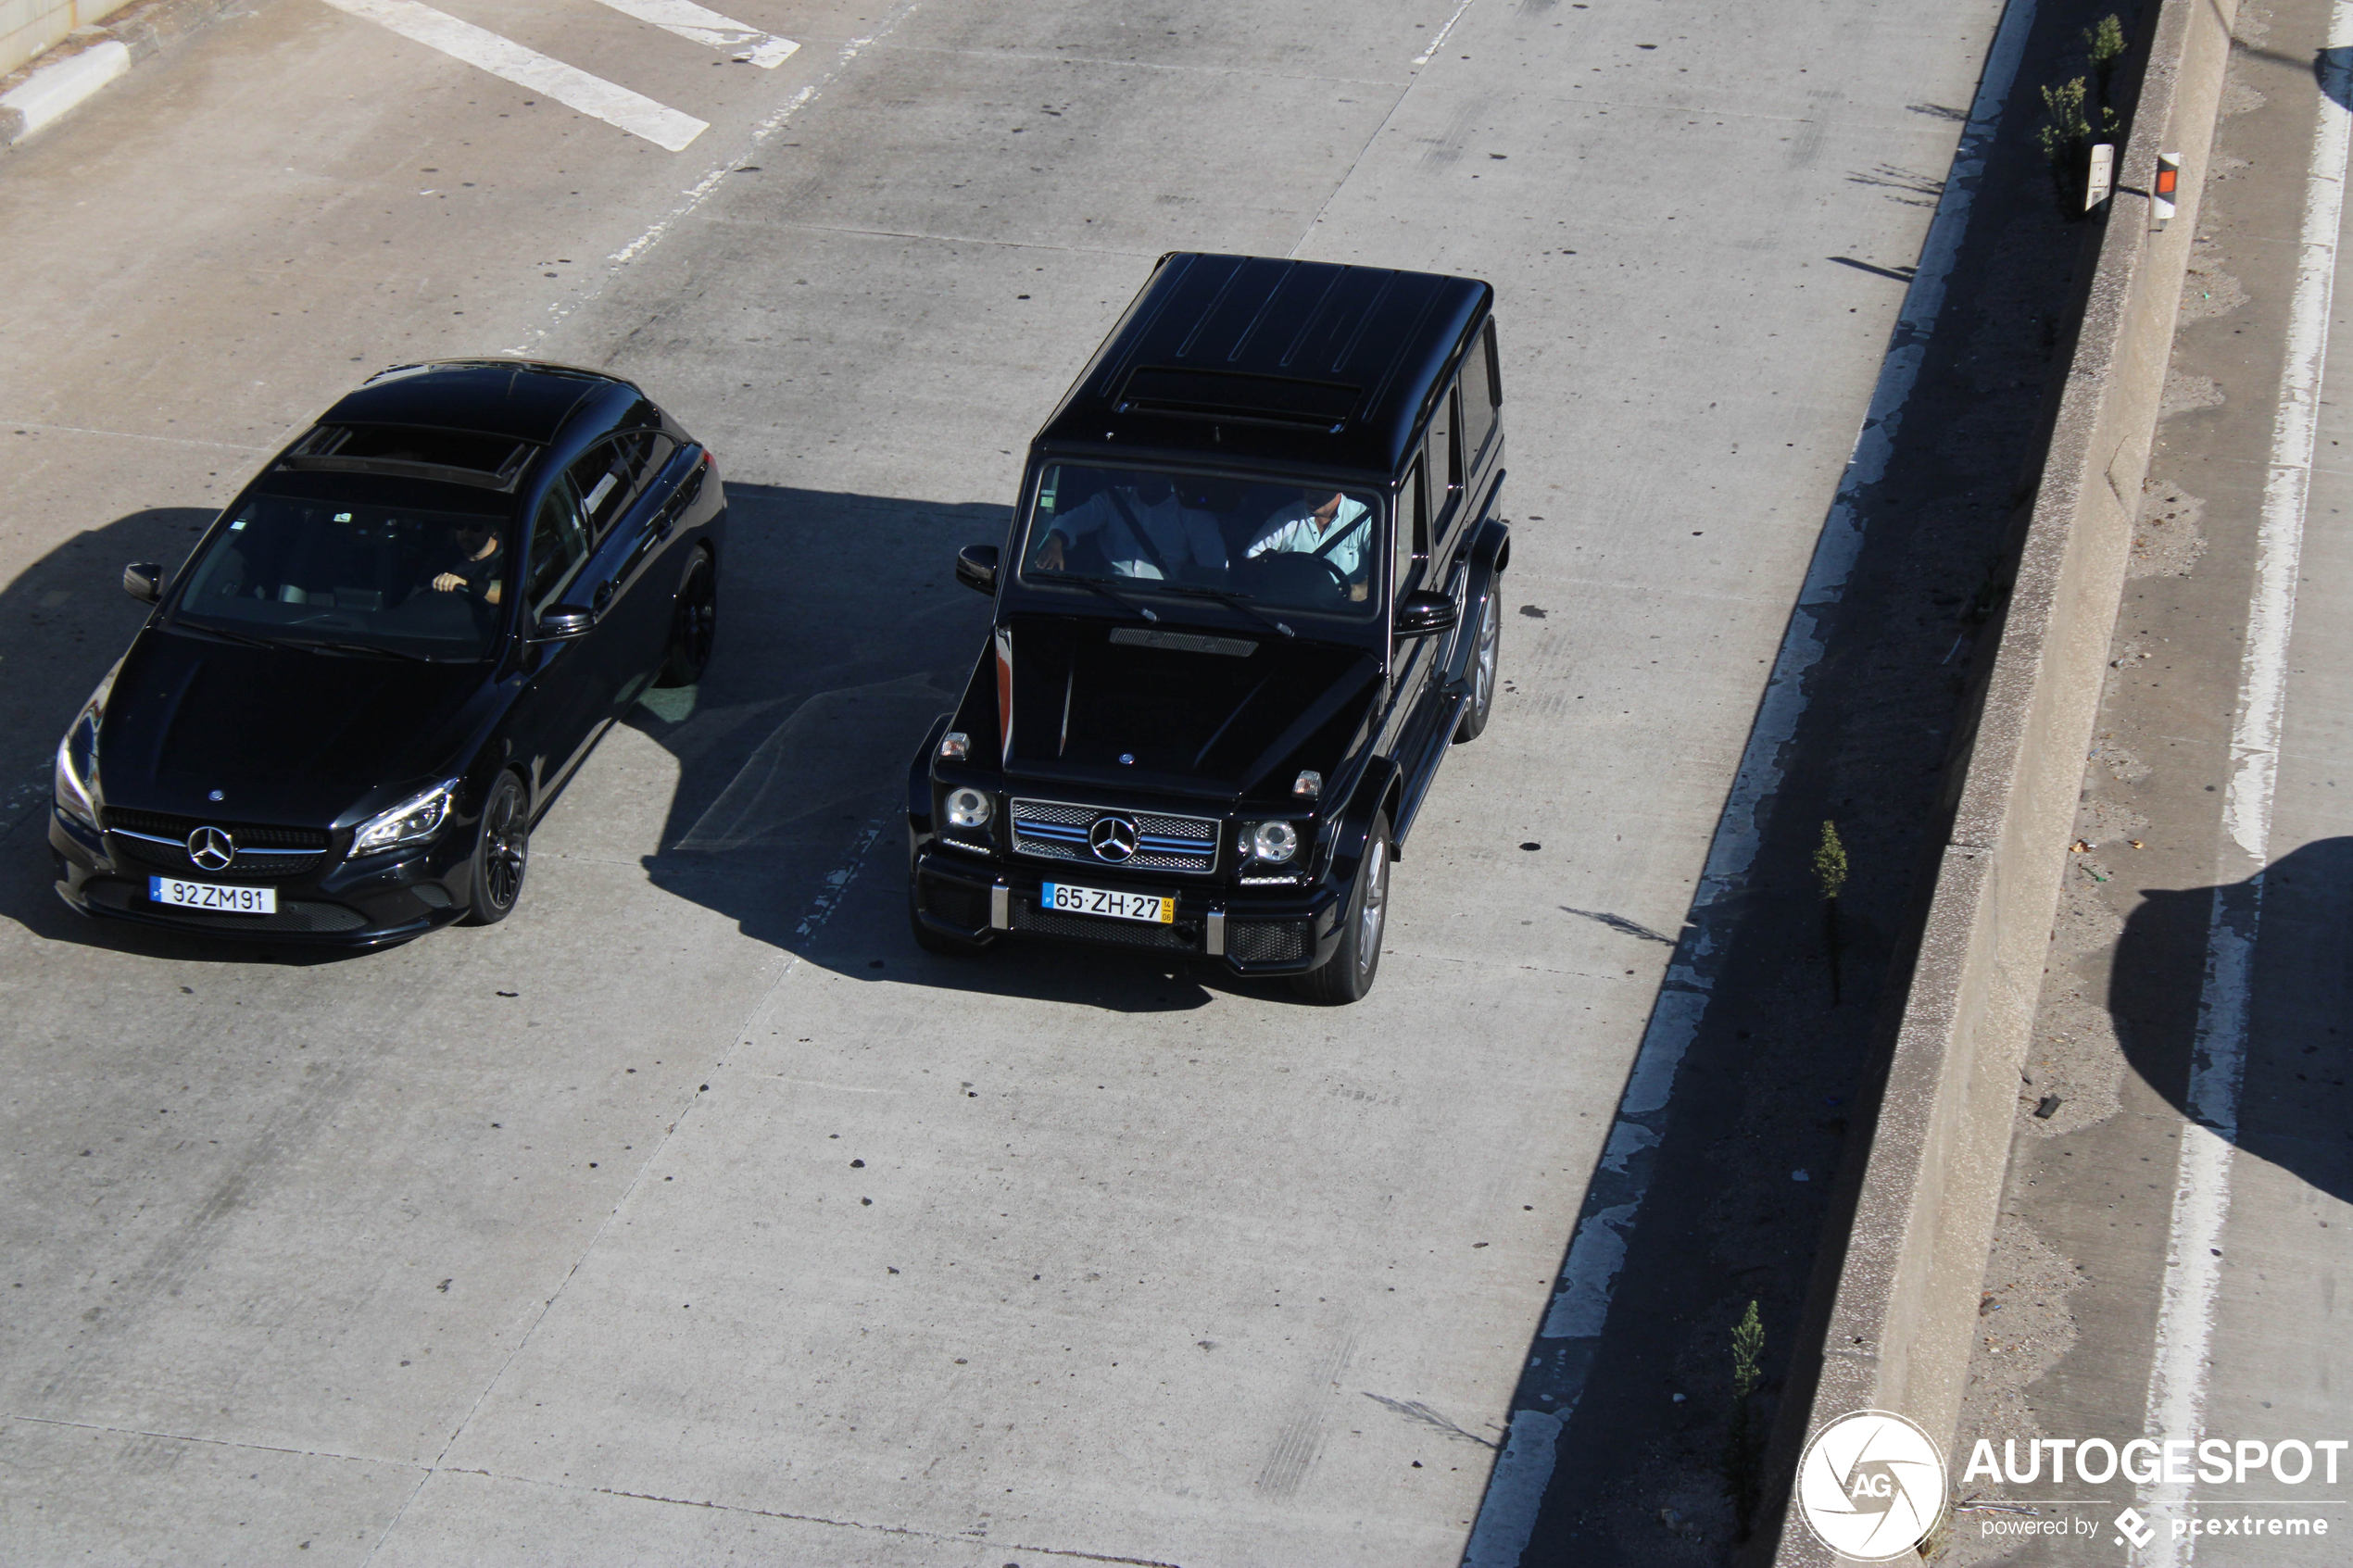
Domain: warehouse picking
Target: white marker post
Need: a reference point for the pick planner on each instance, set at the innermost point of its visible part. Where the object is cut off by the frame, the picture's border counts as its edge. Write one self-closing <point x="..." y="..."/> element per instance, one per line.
<point x="2102" y="183"/>
<point x="2169" y="179"/>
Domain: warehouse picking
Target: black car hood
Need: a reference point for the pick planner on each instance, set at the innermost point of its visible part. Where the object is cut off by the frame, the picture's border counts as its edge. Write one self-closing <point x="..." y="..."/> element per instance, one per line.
<point x="285" y="734"/>
<point x="1204" y="711"/>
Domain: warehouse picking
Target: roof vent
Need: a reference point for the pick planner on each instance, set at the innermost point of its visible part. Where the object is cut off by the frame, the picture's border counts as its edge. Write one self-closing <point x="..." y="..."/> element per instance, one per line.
<point x="1237" y="397"/>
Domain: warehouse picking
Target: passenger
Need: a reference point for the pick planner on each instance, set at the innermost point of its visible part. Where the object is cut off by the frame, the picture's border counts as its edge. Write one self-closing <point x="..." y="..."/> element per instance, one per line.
<point x="472" y="562"/>
<point x="1174" y="534"/>
<point x="1333" y="530"/>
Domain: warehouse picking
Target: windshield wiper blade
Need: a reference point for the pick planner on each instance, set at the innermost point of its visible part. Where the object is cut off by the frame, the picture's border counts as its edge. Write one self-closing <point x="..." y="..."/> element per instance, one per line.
<point x="376" y="650"/>
<point x="227" y="637"/>
<point x="1113" y="594"/>
<point x="1241" y="602"/>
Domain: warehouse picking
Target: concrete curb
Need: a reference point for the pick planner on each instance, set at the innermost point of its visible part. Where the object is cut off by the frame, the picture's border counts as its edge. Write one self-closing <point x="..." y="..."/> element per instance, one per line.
<point x="1905" y="1308"/>
<point x="68" y="75"/>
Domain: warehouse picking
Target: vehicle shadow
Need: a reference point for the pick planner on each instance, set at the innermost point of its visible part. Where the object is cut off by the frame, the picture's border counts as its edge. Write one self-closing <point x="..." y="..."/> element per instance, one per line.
<point x="2293" y="1105"/>
<point x="844" y="633"/>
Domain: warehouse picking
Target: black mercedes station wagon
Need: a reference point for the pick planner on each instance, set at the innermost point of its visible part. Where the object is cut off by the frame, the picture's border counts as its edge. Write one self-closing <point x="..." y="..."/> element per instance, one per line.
<point x="1248" y="600"/>
<point x="385" y="657"/>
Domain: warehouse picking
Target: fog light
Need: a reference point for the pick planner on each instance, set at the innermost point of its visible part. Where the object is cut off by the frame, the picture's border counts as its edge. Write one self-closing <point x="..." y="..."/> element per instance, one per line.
<point x="967" y="809"/>
<point x="1275" y="841"/>
<point x="955" y="746"/>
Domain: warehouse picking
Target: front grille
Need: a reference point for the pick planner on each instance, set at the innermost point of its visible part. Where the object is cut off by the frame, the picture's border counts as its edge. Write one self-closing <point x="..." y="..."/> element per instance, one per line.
<point x="1266" y="941"/>
<point x="1089" y="928"/>
<point x="160" y="841"/>
<point x="1056" y="830"/>
<point x="293" y="915"/>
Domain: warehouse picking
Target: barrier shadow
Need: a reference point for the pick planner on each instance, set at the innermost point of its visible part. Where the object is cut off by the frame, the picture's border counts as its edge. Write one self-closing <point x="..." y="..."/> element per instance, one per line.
<point x="2294" y="1106"/>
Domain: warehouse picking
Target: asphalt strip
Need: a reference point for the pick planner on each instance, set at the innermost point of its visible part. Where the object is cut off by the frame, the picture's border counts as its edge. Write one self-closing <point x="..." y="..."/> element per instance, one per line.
<point x="1557" y="1373"/>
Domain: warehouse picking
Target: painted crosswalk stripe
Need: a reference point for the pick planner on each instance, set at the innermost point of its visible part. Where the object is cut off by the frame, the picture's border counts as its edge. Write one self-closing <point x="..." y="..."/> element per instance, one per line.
<point x="692" y="22"/>
<point x="502" y="57"/>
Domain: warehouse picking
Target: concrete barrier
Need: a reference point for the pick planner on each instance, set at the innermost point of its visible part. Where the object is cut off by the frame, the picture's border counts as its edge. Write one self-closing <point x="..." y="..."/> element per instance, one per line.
<point x="1905" y="1312"/>
<point x="88" y="43"/>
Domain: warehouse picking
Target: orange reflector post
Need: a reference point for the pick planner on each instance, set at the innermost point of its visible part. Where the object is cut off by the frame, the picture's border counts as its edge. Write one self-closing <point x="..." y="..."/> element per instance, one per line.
<point x="2168" y="180"/>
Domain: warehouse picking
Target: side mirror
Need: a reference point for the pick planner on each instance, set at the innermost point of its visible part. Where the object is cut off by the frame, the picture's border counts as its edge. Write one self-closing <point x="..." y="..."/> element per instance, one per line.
<point x="976" y="567"/>
<point x="562" y="622"/>
<point x="142" y="579"/>
<point x="1419" y="615"/>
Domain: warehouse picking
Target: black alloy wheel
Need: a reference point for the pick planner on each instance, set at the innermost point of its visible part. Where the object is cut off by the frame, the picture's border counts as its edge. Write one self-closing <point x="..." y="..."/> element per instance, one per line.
<point x="1348" y="974"/>
<point x="1486" y="655"/>
<point x="502" y="853"/>
<point x="694" y="627"/>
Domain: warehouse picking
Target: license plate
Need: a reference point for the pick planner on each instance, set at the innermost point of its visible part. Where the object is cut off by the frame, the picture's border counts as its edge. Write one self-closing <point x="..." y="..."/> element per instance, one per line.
<point x="1101" y="901"/>
<point x="212" y="896"/>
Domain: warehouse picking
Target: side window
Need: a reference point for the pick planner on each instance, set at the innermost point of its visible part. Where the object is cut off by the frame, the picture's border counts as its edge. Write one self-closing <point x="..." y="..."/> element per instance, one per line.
<point x="1413" y="532"/>
<point x="1444" y="463"/>
<point x="605" y="478"/>
<point x="1480" y="396"/>
<point x="559" y="543"/>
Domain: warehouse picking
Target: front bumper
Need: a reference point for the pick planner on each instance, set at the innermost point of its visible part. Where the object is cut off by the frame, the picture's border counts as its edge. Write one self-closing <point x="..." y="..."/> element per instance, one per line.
<point x="1250" y="930"/>
<point x="353" y="904"/>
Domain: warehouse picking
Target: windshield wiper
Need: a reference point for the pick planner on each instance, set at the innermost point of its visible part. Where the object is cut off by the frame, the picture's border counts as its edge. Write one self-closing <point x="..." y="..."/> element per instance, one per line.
<point x="1241" y="602"/>
<point x="375" y="649"/>
<point x="227" y="637"/>
<point x="1122" y="600"/>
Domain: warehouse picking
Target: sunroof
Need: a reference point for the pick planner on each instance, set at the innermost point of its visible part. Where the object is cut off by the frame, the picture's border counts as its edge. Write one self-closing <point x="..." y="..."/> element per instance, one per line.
<point x="1236" y="395"/>
<point x="458" y="456"/>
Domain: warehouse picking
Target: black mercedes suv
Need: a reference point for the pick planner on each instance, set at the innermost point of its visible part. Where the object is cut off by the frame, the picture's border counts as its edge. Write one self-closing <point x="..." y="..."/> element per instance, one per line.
<point x="385" y="657"/>
<point x="1248" y="600"/>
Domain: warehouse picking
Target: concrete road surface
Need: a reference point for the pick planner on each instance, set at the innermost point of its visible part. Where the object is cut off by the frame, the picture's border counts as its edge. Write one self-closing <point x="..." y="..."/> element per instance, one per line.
<point x="692" y="1214"/>
<point x="2178" y="1220"/>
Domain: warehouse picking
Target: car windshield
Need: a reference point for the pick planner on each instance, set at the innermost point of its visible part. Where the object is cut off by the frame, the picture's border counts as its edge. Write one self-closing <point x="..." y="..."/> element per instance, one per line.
<point x="1276" y="546"/>
<point x="353" y="577"/>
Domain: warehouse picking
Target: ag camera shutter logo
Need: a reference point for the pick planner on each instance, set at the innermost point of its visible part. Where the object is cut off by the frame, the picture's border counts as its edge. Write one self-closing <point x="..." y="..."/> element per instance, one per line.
<point x="1871" y="1486"/>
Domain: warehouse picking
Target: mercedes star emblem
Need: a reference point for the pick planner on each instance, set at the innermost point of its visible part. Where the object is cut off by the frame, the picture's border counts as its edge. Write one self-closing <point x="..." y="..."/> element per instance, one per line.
<point x="1112" y="838"/>
<point x="212" y="849"/>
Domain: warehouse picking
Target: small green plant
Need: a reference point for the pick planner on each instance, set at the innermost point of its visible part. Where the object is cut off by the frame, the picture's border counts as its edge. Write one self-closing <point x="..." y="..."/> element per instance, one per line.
<point x="1745" y="1432"/>
<point x="2065" y="137"/>
<point x="2103" y="42"/>
<point x="1830" y="870"/>
<point x="1829" y="862"/>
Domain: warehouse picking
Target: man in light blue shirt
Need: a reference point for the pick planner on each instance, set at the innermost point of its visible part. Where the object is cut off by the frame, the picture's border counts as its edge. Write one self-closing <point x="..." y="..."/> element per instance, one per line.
<point x="1174" y="534"/>
<point x="1336" y="530"/>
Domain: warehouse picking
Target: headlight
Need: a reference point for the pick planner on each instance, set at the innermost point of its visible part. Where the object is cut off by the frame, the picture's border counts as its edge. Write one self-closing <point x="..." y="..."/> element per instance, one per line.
<point x="967" y="809"/>
<point x="75" y="778"/>
<point x="1274" y="843"/>
<point x="414" y="821"/>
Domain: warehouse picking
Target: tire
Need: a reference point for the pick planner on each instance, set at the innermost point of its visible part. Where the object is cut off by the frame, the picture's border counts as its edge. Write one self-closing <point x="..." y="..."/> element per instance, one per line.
<point x="939" y="942"/>
<point x="694" y="625"/>
<point x="1486" y="660"/>
<point x="1348" y="974"/>
<point x="502" y="854"/>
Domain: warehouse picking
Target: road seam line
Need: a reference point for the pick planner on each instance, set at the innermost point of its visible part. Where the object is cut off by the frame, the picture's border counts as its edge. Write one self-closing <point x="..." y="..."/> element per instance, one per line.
<point x="1597" y="1252"/>
<point x="2218" y="1055"/>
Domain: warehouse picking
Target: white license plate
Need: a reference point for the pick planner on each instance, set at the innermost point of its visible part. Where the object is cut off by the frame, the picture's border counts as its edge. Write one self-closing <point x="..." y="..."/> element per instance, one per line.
<point x="1101" y="901"/>
<point x="212" y="896"/>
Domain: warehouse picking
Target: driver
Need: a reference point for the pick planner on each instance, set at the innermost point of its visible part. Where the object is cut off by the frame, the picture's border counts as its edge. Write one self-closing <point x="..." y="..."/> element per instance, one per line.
<point x="1331" y="530"/>
<point x="472" y="562"/>
<point x="1173" y="534"/>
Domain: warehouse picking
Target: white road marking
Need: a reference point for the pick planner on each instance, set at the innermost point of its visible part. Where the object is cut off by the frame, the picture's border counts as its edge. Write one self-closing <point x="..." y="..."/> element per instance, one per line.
<point x="1589" y="1278"/>
<point x="2218" y="1059"/>
<point x="510" y="61"/>
<point x="1428" y="55"/>
<point x="692" y="23"/>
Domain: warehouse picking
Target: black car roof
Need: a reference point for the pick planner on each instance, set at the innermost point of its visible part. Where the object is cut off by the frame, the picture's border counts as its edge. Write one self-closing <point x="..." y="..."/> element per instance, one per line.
<point x="1226" y="356"/>
<point x="528" y="400"/>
